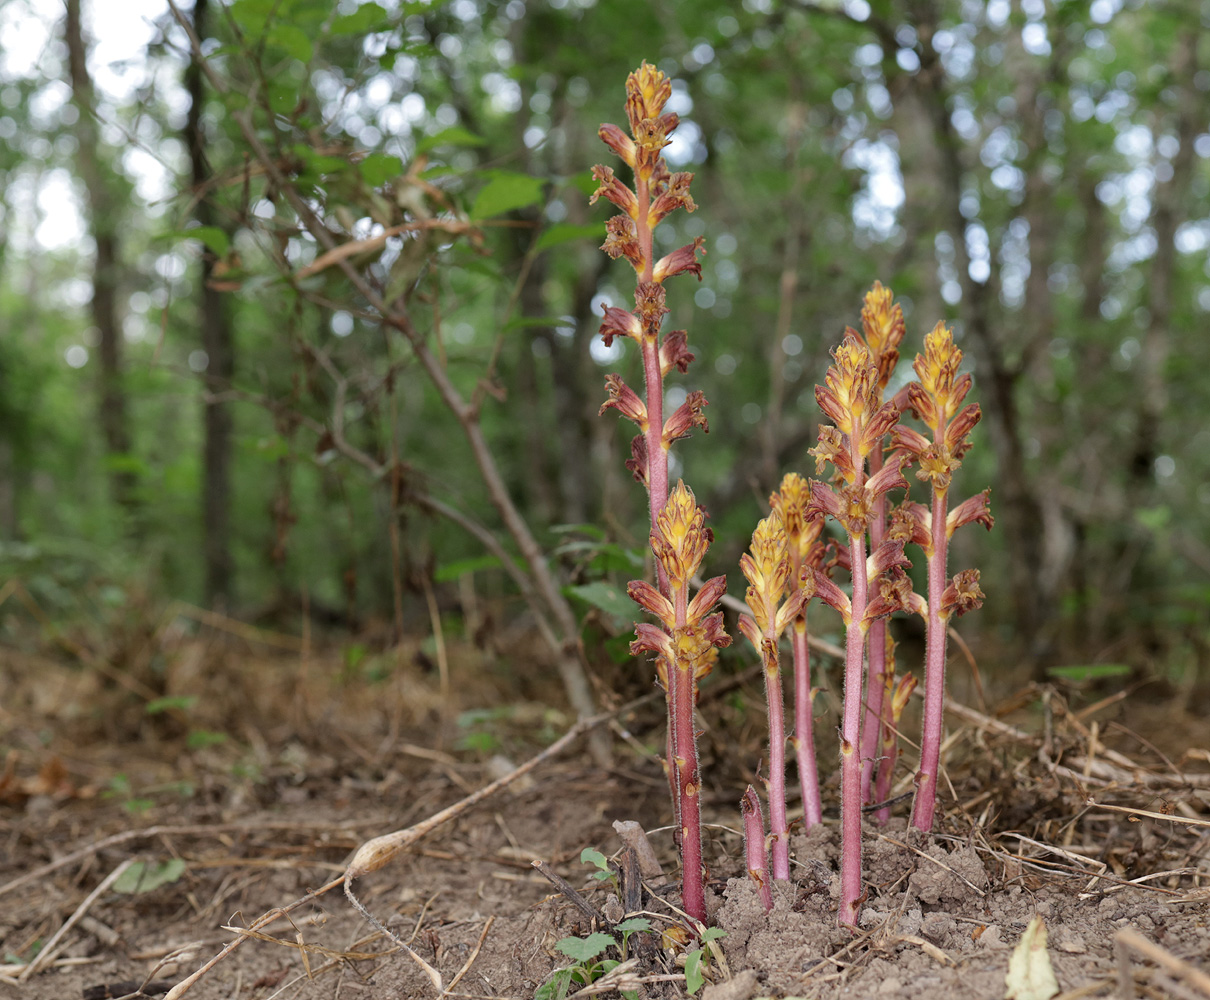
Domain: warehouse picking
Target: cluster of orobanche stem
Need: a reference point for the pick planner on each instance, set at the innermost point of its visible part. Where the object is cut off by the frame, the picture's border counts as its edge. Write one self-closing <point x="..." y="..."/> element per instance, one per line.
<point x="791" y="559"/>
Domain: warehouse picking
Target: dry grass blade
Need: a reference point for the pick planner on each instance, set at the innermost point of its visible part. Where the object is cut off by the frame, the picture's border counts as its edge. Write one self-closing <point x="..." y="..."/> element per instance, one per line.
<point x="375" y="853"/>
<point x="470" y="959"/>
<point x="1127" y="940"/>
<point x="1186" y="820"/>
<point x="433" y="975"/>
<point x="620" y="977"/>
<point x="48" y="950"/>
<point x="927" y="947"/>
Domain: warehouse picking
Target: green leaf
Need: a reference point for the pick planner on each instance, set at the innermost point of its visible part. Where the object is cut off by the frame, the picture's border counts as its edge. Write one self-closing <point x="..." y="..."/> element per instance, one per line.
<point x="582" y="529"/>
<point x="712" y="934"/>
<point x="318" y="163"/>
<point x="199" y="739"/>
<point x="589" y="856"/>
<point x="565" y="232"/>
<point x="378" y="168"/>
<point x="693" y="971"/>
<point x="143" y="877"/>
<point x="455" y="135"/>
<point x="557" y="987"/>
<point x="214" y="238"/>
<point x="1089" y="672"/>
<point x="1154" y="519"/>
<point x="633" y="924"/>
<point x="159" y="705"/>
<point x="293" y="39"/>
<point x="585" y="949"/>
<point x="366" y="19"/>
<point x="505" y="192"/>
<point x="453" y="570"/>
<point x="610" y="599"/>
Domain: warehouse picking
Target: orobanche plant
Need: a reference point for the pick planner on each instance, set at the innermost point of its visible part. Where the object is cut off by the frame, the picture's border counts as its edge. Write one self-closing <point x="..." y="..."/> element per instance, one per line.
<point x="792" y="559"/>
<point x="686" y="641"/>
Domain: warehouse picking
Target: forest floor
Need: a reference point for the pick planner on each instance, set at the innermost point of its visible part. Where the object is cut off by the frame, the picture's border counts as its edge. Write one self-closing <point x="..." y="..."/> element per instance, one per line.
<point x="252" y="783"/>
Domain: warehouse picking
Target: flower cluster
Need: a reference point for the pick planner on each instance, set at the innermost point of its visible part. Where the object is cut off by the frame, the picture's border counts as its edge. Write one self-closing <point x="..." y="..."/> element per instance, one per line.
<point x="936" y="399"/>
<point x="685" y="644"/>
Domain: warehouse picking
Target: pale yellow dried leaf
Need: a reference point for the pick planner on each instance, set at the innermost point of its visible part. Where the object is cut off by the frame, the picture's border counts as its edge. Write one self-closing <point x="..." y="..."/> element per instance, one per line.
<point x="1030" y="976"/>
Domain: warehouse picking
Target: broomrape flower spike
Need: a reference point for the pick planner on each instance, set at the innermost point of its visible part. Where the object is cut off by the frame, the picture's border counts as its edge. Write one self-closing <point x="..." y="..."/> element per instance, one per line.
<point x="686" y="641"/>
<point x="937" y="399"/>
<point x="656" y="194"/>
<point x="806" y="552"/>
<point x="768" y="567"/>
<point x="852" y="399"/>
<point x="882" y="332"/>
<point x="685" y="644"/>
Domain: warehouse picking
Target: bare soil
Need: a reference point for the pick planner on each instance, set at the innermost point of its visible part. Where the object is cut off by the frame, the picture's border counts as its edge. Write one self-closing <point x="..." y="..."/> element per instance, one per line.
<point x="265" y="784"/>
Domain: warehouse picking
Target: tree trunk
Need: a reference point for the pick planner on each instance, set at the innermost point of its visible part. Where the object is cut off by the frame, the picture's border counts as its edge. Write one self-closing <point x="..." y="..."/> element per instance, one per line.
<point x="1018" y="510"/>
<point x="1168" y="211"/>
<point x="103" y="210"/>
<point x="217" y="343"/>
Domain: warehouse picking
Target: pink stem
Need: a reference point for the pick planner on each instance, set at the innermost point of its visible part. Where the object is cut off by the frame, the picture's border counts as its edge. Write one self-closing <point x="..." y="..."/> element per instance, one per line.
<point x="890" y="740"/>
<point x="875" y="656"/>
<point x="850" y="742"/>
<point x="779" y="828"/>
<point x="685" y="765"/>
<point x="934" y="673"/>
<point x="653" y="378"/>
<point x="804" y="737"/>
<point x="755" y="854"/>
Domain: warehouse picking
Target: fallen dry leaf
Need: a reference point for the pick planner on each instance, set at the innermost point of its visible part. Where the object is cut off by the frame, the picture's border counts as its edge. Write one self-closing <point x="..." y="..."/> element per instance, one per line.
<point x="1030" y="976"/>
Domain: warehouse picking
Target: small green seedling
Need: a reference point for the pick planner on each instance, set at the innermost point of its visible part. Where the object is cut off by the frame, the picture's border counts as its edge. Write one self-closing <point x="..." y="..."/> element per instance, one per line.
<point x="589" y="967"/>
<point x="697" y="962"/>
<point x="604" y="873"/>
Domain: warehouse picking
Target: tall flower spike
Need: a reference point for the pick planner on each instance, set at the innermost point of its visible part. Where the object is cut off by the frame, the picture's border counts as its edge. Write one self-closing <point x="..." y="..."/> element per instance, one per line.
<point x="768" y="568"/>
<point x="686" y="646"/>
<point x="803" y="537"/>
<point x="852" y="399"/>
<point x="882" y="332"/>
<point x="687" y="640"/>
<point x="936" y="399"/>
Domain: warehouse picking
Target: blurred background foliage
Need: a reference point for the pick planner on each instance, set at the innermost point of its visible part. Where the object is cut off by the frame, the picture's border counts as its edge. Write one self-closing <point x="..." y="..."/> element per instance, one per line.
<point x="187" y="412"/>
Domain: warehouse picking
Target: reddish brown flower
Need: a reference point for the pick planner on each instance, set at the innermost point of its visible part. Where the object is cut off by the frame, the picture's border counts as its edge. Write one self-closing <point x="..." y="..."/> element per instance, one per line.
<point x="614" y="190"/>
<point x="637" y="463"/>
<point x="620" y="323"/>
<point x="962" y="594"/>
<point x="675" y="195"/>
<point x="687" y="416"/>
<point x="974" y="509"/>
<point x="680" y="261"/>
<point x="674" y="352"/>
<point x="619" y="142"/>
<point x="621" y="240"/>
<point x="625" y="400"/>
<point x="649" y="297"/>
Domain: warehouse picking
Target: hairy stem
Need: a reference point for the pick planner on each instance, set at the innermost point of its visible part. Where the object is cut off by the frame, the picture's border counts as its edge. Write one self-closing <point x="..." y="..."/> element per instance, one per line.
<point x="890" y="736"/>
<point x="684" y="763"/>
<point x="876" y="661"/>
<point x="804" y="737"/>
<point x="934" y="671"/>
<point x="779" y="827"/>
<point x="850" y="741"/>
